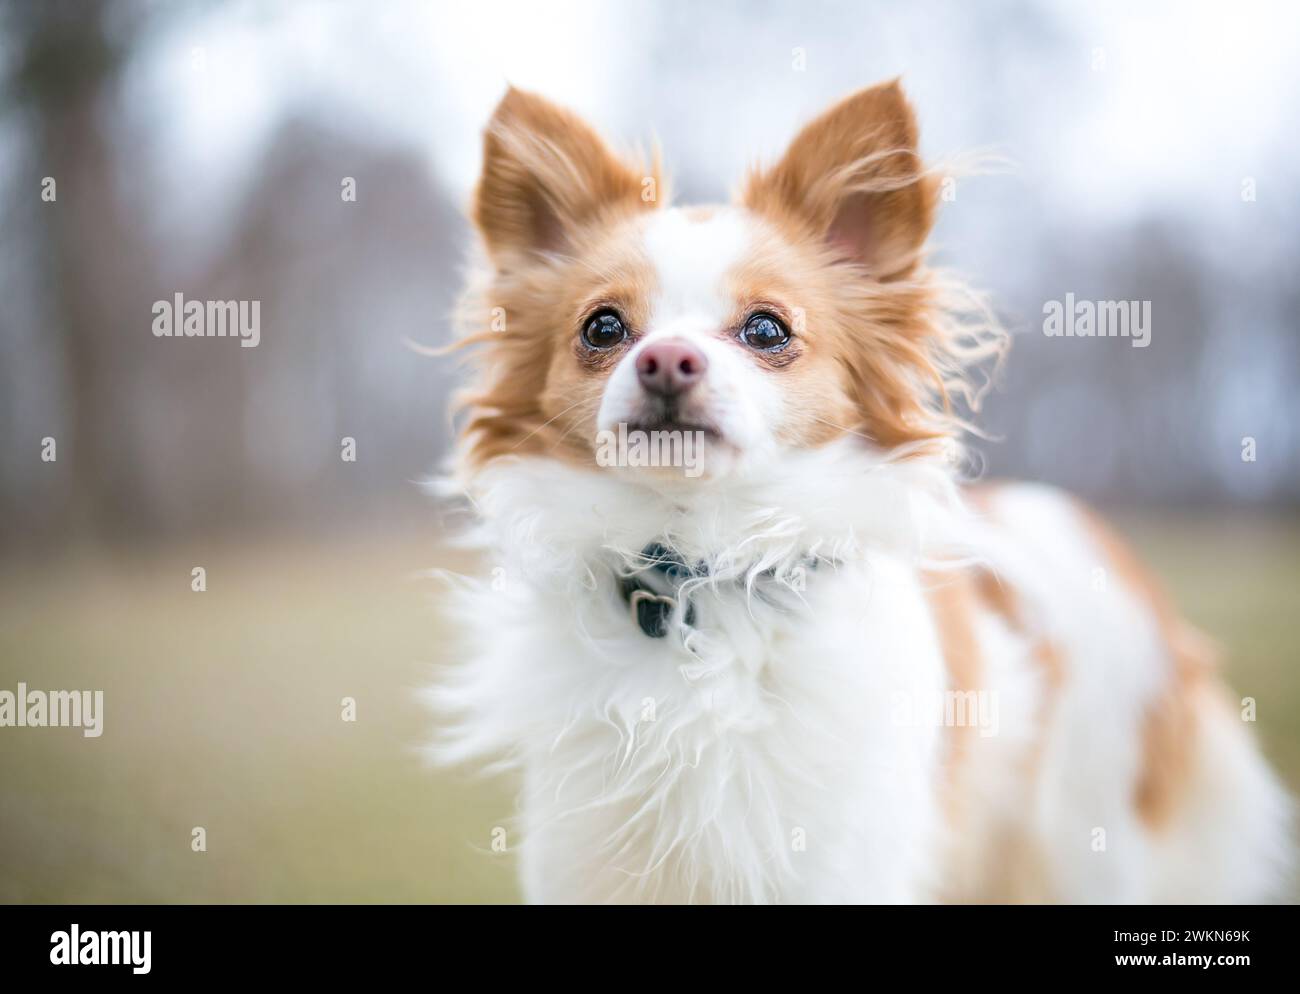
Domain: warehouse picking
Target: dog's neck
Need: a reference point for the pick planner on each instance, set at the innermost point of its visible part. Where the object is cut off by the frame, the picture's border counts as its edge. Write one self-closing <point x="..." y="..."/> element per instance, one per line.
<point x="555" y="523"/>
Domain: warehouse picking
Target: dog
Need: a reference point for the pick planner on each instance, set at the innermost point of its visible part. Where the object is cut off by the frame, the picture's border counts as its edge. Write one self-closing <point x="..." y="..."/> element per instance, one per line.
<point x="818" y="664"/>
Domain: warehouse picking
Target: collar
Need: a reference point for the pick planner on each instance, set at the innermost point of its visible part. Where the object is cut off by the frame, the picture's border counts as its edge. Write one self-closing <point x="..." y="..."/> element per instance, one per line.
<point x="651" y="590"/>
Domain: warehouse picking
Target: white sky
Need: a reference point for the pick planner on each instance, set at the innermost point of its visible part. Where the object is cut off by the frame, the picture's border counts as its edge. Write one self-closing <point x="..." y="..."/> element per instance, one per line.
<point x="1190" y="101"/>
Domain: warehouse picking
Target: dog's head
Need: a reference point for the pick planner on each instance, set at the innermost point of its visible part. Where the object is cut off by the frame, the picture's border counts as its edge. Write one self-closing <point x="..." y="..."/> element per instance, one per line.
<point x="798" y="314"/>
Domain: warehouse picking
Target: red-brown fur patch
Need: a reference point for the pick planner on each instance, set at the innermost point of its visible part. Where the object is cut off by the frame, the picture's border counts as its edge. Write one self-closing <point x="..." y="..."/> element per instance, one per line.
<point x="1172" y="719"/>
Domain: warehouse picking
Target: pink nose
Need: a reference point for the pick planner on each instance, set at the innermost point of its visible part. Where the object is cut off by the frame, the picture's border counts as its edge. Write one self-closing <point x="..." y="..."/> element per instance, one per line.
<point x="670" y="367"/>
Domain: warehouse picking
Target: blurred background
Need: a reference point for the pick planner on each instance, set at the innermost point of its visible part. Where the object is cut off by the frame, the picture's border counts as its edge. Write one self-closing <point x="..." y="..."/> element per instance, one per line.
<point x="202" y="148"/>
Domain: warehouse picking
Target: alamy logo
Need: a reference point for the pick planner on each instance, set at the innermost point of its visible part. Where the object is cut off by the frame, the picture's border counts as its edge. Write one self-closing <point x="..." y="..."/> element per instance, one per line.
<point x="55" y="709"/>
<point x="657" y="448"/>
<point x="77" y="948"/>
<point x="1098" y="319"/>
<point x="947" y="709"/>
<point x="181" y="318"/>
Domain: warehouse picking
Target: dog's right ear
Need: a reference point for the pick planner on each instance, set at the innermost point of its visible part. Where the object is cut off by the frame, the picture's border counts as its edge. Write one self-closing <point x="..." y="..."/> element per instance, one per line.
<point x="546" y="173"/>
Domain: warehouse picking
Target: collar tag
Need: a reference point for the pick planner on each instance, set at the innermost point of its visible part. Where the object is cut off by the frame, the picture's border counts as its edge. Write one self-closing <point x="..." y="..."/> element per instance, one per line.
<point x="650" y="592"/>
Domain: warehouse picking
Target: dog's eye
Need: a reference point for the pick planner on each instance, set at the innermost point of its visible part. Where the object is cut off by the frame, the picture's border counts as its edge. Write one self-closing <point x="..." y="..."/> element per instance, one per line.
<point x="604" y="330"/>
<point x="764" y="332"/>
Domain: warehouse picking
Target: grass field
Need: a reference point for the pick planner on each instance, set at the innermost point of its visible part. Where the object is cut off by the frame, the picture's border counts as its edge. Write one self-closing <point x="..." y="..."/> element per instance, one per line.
<point x="223" y="711"/>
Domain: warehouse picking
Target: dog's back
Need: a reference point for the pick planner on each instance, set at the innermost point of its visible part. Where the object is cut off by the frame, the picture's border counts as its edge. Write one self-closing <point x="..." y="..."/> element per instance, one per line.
<point x="1138" y="780"/>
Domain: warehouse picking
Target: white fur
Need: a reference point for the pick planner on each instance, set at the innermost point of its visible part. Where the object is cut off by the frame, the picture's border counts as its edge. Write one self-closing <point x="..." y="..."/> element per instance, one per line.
<point x="1229" y="840"/>
<point x="758" y="758"/>
<point x="759" y="755"/>
<point x="755" y="759"/>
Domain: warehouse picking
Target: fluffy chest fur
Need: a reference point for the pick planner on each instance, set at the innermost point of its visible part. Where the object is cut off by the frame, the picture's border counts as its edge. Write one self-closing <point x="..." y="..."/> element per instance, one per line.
<point x="775" y="750"/>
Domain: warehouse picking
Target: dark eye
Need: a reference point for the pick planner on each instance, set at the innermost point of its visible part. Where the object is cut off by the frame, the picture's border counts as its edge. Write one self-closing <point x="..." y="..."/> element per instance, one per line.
<point x="764" y="332"/>
<point x="604" y="330"/>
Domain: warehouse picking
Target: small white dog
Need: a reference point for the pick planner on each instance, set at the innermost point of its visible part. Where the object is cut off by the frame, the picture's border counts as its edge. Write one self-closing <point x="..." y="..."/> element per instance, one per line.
<point x="749" y="638"/>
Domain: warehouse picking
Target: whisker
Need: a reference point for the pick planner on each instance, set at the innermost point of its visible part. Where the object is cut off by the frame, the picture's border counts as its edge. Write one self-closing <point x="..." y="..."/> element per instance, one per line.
<point x="585" y="400"/>
<point x="569" y="431"/>
<point x="844" y="428"/>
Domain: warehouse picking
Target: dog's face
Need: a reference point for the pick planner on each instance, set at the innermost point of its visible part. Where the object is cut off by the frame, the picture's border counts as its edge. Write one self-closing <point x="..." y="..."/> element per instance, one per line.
<point x="785" y="320"/>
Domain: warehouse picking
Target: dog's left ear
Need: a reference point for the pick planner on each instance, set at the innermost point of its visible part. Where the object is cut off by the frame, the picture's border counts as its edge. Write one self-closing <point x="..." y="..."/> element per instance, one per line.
<point x="853" y="177"/>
